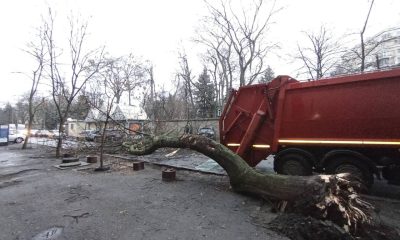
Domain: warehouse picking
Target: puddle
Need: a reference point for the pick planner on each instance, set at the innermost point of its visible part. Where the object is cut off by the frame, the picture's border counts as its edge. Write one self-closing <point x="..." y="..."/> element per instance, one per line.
<point x="49" y="234"/>
<point x="210" y="166"/>
<point x="9" y="183"/>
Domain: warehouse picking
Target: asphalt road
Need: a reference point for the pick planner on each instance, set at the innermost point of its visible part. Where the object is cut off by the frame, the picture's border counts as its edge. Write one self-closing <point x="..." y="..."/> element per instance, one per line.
<point x="38" y="201"/>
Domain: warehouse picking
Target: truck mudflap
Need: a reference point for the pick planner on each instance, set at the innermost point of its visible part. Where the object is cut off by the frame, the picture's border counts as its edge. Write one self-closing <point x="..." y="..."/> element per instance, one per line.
<point x="392" y="174"/>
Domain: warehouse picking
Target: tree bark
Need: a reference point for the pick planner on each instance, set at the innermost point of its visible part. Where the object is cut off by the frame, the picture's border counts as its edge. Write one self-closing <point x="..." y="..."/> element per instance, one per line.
<point x="330" y="197"/>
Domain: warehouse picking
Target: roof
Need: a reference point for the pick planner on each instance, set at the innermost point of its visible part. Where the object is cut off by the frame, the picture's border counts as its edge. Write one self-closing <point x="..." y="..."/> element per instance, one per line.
<point x="128" y="112"/>
<point x="95" y="115"/>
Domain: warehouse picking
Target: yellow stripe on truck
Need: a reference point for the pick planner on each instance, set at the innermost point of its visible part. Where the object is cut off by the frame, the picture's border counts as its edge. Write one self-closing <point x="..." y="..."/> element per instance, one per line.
<point x="233" y="144"/>
<point x="261" y="146"/>
<point x="255" y="145"/>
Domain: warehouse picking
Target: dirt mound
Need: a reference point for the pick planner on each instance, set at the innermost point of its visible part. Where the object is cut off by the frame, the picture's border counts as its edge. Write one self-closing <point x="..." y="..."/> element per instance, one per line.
<point x="298" y="227"/>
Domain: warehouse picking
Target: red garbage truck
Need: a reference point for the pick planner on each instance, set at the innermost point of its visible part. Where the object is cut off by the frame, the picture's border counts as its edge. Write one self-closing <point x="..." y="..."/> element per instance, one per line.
<point x="333" y="125"/>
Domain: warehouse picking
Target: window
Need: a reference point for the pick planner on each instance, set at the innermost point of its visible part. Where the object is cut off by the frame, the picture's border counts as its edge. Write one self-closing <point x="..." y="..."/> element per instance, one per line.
<point x="386" y="35"/>
<point x="383" y="62"/>
<point x="72" y="126"/>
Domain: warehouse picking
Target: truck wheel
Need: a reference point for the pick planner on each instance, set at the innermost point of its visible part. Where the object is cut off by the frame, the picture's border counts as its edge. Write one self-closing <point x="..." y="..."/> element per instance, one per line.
<point x="19" y="140"/>
<point x="353" y="166"/>
<point x="293" y="164"/>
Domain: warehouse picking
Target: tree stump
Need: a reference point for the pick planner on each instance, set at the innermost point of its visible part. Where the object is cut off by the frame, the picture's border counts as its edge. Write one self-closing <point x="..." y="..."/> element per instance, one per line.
<point x="138" y="166"/>
<point x="168" y="175"/>
<point x="91" y="159"/>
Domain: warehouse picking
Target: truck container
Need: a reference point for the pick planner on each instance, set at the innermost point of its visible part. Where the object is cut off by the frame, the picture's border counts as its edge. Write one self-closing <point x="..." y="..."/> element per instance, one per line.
<point x="340" y="124"/>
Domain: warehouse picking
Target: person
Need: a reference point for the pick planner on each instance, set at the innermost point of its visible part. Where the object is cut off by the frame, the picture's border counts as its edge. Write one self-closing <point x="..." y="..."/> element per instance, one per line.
<point x="186" y="128"/>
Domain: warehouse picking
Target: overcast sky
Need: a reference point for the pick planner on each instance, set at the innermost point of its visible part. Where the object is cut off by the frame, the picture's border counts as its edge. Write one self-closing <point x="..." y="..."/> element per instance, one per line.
<point x="156" y="29"/>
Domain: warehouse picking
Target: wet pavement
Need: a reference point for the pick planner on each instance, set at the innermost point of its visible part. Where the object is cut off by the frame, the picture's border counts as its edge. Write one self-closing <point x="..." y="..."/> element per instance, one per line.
<point x="38" y="201"/>
<point x="190" y="160"/>
<point x="178" y="158"/>
<point x="186" y="159"/>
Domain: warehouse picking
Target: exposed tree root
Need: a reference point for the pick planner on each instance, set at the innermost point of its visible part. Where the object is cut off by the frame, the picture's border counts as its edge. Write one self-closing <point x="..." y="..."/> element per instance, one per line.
<point x="325" y="197"/>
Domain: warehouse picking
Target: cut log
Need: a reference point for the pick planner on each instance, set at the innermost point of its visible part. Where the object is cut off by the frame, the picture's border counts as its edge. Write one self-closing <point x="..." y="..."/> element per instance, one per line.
<point x="330" y="197"/>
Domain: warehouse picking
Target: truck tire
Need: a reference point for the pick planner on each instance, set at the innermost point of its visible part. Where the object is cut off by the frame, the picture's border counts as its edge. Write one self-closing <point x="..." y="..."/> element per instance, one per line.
<point x="352" y="165"/>
<point x="293" y="164"/>
<point x="19" y="140"/>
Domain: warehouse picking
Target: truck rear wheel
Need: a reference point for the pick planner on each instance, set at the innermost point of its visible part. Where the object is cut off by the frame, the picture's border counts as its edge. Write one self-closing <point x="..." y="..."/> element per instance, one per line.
<point x="352" y="165"/>
<point x="293" y="164"/>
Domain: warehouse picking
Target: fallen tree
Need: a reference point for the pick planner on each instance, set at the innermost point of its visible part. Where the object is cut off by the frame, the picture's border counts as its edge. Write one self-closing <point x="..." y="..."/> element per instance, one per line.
<point x="325" y="197"/>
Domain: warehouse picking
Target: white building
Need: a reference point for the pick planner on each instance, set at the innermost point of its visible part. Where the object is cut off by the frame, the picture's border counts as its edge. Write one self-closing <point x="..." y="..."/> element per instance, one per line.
<point x="382" y="52"/>
<point x="387" y="53"/>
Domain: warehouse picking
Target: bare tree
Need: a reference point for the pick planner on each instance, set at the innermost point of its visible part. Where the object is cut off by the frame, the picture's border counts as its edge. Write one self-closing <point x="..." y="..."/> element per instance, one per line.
<point x="152" y="86"/>
<point x="186" y="77"/>
<point x="135" y="74"/>
<point x="149" y="98"/>
<point x="37" y="50"/>
<point x="100" y="113"/>
<point x="321" y="55"/>
<point x="106" y="116"/>
<point x="94" y="93"/>
<point x="83" y="68"/>
<point x="125" y="74"/>
<point x="113" y="74"/>
<point x="221" y="69"/>
<point x="242" y="34"/>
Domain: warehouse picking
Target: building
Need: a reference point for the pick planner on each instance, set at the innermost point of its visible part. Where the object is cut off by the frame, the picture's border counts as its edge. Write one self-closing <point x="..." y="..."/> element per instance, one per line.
<point x="74" y="127"/>
<point x="387" y="52"/>
<point x="130" y="117"/>
<point x="382" y="52"/>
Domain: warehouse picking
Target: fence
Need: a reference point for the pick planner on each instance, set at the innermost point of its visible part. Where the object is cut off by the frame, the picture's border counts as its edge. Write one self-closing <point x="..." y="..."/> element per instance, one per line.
<point x="182" y="125"/>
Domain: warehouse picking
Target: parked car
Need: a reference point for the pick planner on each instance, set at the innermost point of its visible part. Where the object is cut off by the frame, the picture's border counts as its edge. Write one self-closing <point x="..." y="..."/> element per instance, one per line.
<point x="82" y="135"/>
<point x="16" y="136"/>
<point x="207" y="132"/>
<point x="111" y="135"/>
<point x="88" y="135"/>
<point x="56" y="134"/>
<point x="91" y="135"/>
<point x="43" y="133"/>
<point x="33" y="132"/>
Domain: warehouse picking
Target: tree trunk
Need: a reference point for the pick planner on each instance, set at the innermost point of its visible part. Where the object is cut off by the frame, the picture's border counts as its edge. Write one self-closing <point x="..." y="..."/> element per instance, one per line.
<point x="103" y="138"/>
<point x="59" y="139"/>
<point x="30" y="123"/>
<point x="322" y="196"/>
